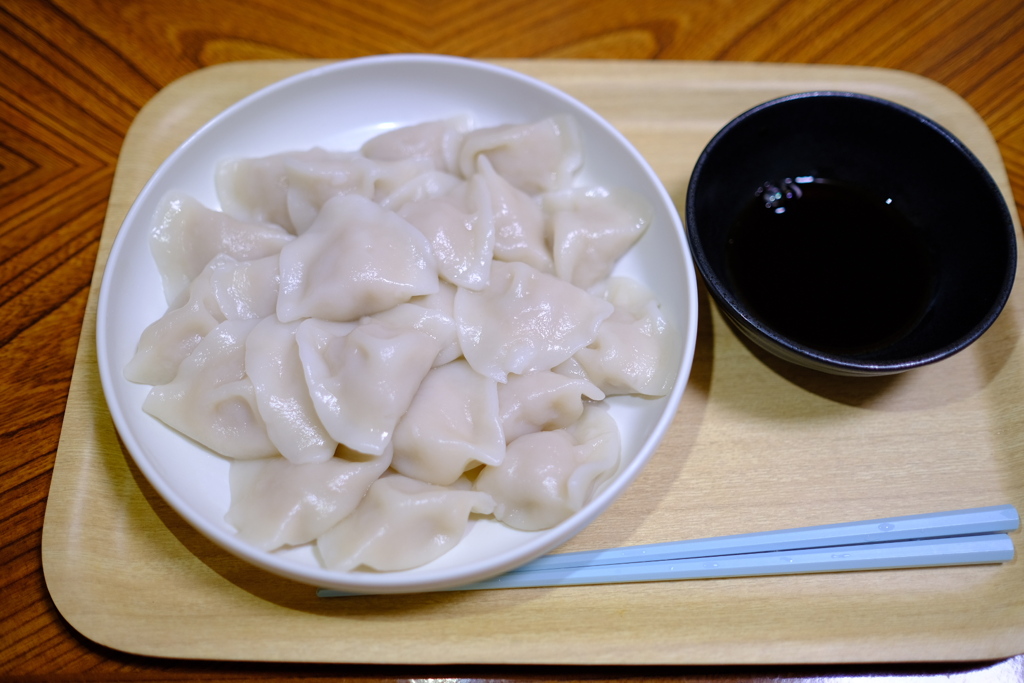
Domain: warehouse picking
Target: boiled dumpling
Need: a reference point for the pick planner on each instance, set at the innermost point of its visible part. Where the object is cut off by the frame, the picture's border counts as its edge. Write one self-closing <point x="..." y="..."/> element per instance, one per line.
<point x="289" y="188"/>
<point x="429" y="185"/>
<point x="372" y="255"/>
<point x="452" y="426"/>
<point x="636" y="350"/>
<point x="227" y="289"/>
<point x="441" y="305"/>
<point x="276" y="503"/>
<point x="460" y="228"/>
<point x="272" y="362"/>
<point x="535" y="157"/>
<point x="312" y="182"/>
<point x="592" y="228"/>
<point x="542" y="401"/>
<point x="212" y="400"/>
<point x="436" y="141"/>
<point x="548" y="476"/>
<point x="165" y="343"/>
<point x="187" y="235"/>
<point x="519" y="227"/>
<point x="246" y="290"/>
<point x="257" y="189"/>
<point x="402" y="523"/>
<point x="431" y="314"/>
<point x="362" y="378"/>
<point x="524" y="321"/>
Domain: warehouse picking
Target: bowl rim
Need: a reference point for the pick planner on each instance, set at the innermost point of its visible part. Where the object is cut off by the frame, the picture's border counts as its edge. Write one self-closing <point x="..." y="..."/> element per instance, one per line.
<point x="788" y="349"/>
<point x="394" y="582"/>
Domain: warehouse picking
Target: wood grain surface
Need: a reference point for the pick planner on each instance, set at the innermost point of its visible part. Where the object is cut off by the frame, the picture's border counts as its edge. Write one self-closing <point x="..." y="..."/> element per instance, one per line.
<point x="74" y="74"/>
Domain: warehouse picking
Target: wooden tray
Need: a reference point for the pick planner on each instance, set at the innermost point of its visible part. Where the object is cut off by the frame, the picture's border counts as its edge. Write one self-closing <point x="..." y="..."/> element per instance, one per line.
<point x="757" y="445"/>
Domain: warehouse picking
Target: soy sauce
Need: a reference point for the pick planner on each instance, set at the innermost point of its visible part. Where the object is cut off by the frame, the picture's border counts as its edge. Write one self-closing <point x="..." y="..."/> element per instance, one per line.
<point x="829" y="265"/>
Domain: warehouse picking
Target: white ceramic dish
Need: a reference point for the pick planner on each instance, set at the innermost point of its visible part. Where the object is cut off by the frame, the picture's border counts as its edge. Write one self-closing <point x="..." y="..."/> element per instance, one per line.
<point x="338" y="107"/>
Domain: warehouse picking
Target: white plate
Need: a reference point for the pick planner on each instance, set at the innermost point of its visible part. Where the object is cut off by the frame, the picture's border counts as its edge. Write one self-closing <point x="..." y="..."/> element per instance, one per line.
<point x="338" y="107"/>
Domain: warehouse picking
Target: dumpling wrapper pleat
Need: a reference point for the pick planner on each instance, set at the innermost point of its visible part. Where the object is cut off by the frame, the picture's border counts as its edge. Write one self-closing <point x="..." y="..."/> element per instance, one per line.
<point x="277" y="503"/>
<point x="402" y="523"/>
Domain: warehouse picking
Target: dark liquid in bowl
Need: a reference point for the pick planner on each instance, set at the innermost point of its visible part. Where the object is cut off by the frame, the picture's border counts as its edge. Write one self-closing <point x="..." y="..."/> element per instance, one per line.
<point x="830" y="266"/>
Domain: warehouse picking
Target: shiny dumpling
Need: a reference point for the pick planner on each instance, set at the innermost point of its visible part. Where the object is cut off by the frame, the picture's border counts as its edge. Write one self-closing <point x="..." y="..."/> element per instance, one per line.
<point x="548" y="476"/>
<point x="256" y="189"/>
<point x="592" y="228"/>
<point x="542" y="156"/>
<point x="276" y="503"/>
<point x="524" y="321"/>
<point x="289" y="188"/>
<point x="372" y="255"/>
<point x="227" y="289"/>
<point x="460" y="228"/>
<point x="312" y="182"/>
<point x="636" y="351"/>
<point x="436" y="141"/>
<point x="431" y="314"/>
<point x="519" y="224"/>
<point x="402" y="523"/>
<point x="166" y="342"/>
<point x="212" y="400"/>
<point x="273" y="364"/>
<point x="363" y="377"/>
<point x="246" y="290"/>
<point x="542" y="401"/>
<point x="429" y="185"/>
<point x="452" y="426"/>
<point x="187" y="235"/>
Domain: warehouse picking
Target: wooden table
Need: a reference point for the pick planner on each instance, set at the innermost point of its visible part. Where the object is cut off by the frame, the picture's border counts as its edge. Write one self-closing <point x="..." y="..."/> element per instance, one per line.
<point x="75" y="74"/>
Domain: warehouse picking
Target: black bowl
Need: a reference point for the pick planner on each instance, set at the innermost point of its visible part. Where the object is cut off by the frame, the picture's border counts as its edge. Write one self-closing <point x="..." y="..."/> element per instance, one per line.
<point x="849" y="234"/>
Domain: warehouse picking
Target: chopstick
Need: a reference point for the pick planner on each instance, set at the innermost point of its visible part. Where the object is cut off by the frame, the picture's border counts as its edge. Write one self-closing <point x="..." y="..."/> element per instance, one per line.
<point x="958" y="537"/>
<point x="907" y="528"/>
<point x="976" y="549"/>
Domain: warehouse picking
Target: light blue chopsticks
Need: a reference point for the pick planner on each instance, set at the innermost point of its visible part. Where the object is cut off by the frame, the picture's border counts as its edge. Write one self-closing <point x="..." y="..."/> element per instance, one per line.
<point x="973" y="536"/>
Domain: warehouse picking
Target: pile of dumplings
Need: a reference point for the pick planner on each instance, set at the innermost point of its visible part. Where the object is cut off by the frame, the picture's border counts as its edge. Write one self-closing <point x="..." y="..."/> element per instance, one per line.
<point x="391" y="342"/>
